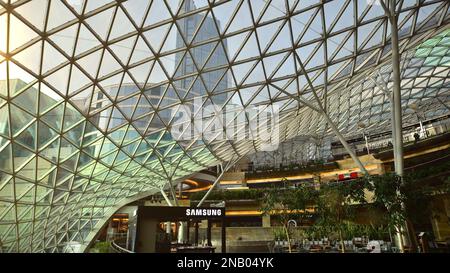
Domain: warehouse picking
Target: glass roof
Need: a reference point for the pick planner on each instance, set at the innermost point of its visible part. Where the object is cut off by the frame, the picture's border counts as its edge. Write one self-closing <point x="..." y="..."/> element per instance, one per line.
<point x="90" y="91"/>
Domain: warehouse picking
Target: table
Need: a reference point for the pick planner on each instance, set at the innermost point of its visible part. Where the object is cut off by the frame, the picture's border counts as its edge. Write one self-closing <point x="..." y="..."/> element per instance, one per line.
<point x="196" y="249"/>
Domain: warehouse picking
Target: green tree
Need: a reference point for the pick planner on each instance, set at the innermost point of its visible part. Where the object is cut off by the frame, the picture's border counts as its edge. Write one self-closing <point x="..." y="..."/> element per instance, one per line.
<point x="289" y="203"/>
<point x="336" y="206"/>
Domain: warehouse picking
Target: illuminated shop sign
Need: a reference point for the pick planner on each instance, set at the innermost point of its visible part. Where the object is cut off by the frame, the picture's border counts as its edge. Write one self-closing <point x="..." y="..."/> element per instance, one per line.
<point x="203" y="212"/>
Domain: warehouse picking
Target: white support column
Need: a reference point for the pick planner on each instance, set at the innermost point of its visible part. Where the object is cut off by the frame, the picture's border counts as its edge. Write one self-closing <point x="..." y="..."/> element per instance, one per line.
<point x="403" y="233"/>
<point x="345" y="144"/>
<point x="182" y="226"/>
<point x="168" y="224"/>
<point x="172" y="191"/>
<point x="166" y="197"/>
<point x="396" y="92"/>
<point x="385" y="90"/>
<point x="169" y="229"/>
<point x="182" y="232"/>
<point x="222" y="171"/>
<point x="329" y="121"/>
<point x="333" y="127"/>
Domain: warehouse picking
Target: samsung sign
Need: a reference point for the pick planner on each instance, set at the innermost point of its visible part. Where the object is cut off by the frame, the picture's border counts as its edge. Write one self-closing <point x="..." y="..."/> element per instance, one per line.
<point x="166" y="213"/>
<point x="203" y="212"/>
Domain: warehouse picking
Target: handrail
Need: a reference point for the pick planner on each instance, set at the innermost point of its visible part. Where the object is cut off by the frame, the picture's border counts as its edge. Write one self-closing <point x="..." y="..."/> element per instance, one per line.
<point x="118" y="249"/>
<point x="428" y="162"/>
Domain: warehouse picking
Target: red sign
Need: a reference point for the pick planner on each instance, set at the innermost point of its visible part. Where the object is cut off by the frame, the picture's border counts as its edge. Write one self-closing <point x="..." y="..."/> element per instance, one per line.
<point x="347" y="176"/>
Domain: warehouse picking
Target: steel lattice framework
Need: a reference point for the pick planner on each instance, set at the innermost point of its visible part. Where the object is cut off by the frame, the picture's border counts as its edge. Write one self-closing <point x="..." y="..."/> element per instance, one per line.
<point x="88" y="90"/>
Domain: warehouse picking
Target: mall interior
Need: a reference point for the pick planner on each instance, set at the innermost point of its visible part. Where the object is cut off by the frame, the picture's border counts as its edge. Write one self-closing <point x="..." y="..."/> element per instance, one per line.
<point x="224" y="126"/>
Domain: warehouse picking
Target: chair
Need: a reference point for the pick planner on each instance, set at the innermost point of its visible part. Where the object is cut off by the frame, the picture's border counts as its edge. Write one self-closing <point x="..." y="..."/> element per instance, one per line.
<point x="271" y="246"/>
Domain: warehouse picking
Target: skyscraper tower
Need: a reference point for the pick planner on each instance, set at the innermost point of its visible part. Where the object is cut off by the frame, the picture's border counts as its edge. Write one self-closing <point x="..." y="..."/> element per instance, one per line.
<point x="215" y="81"/>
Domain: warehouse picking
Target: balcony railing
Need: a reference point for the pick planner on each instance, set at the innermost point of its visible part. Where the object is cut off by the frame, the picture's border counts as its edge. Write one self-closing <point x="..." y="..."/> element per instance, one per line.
<point x="119" y="246"/>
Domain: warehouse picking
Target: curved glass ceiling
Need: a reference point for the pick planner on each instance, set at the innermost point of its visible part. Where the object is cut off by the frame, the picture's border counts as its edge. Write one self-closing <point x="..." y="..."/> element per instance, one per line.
<point x="91" y="90"/>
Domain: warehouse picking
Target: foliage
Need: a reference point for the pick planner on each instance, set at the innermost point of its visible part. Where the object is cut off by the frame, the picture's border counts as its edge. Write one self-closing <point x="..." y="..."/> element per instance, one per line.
<point x="387" y="194"/>
<point x="419" y="187"/>
<point x="250" y="194"/>
<point x="352" y="230"/>
<point x="289" y="200"/>
<point x="377" y="232"/>
<point x="349" y="231"/>
<point x="289" y="203"/>
<point x="293" y="168"/>
<point x="279" y="234"/>
<point x="409" y="198"/>
<point x="101" y="247"/>
<point x="335" y="207"/>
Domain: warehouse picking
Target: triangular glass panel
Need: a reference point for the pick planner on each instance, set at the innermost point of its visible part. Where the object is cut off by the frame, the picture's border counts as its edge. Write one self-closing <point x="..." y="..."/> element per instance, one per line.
<point x="91" y="62"/>
<point x="121" y="26"/>
<point x="75" y="134"/>
<point x="86" y="40"/>
<point x="157" y="75"/>
<point x="4" y="121"/>
<point x="156" y="36"/>
<point x="28" y="137"/>
<point x="313" y="29"/>
<point x="248" y="50"/>
<point x="59" y="79"/>
<point x="20" y="33"/>
<point x="141" y="72"/>
<point x="9" y="213"/>
<point x="364" y="32"/>
<point x="317" y="59"/>
<point x="218" y="57"/>
<point x="3" y="34"/>
<point x="243" y="19"/>
<point x="46" y="135"/>
<point x="344" y="20"/>
<point x="34" y="12"/>
<point x="281" y="42"/>
<point x="7" y="190"/>
<point x="19" y="119"/>
<point x="92" y="5"/>
<point x="287" y="68"/>
<point x="48" y="98"/>
<point x="188" y="27"/>
<point x="109" y="65"/>
<point x="53" y="118"/>
<point x="27" y="197"/>
<point x="30" y="58"/>
<point x="78" y="81"/>
<point x="234" y="44"/>
<point x="28" y="99"/>
<point x="65" y="39"/>
<point x="136" y="9"/>
<point x="52" y="58"/>
<point x="157" y="13"/>
<point x="101" y="22"/>
<point x="241" y="70"/>
<point x="59" y="15"/>
<point x="141" y="51"/>
<point x="123" y="49"/>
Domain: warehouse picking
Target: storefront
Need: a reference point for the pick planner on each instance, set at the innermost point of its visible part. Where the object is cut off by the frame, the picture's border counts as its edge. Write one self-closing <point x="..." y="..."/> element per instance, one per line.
<point x="151" y="236"/>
